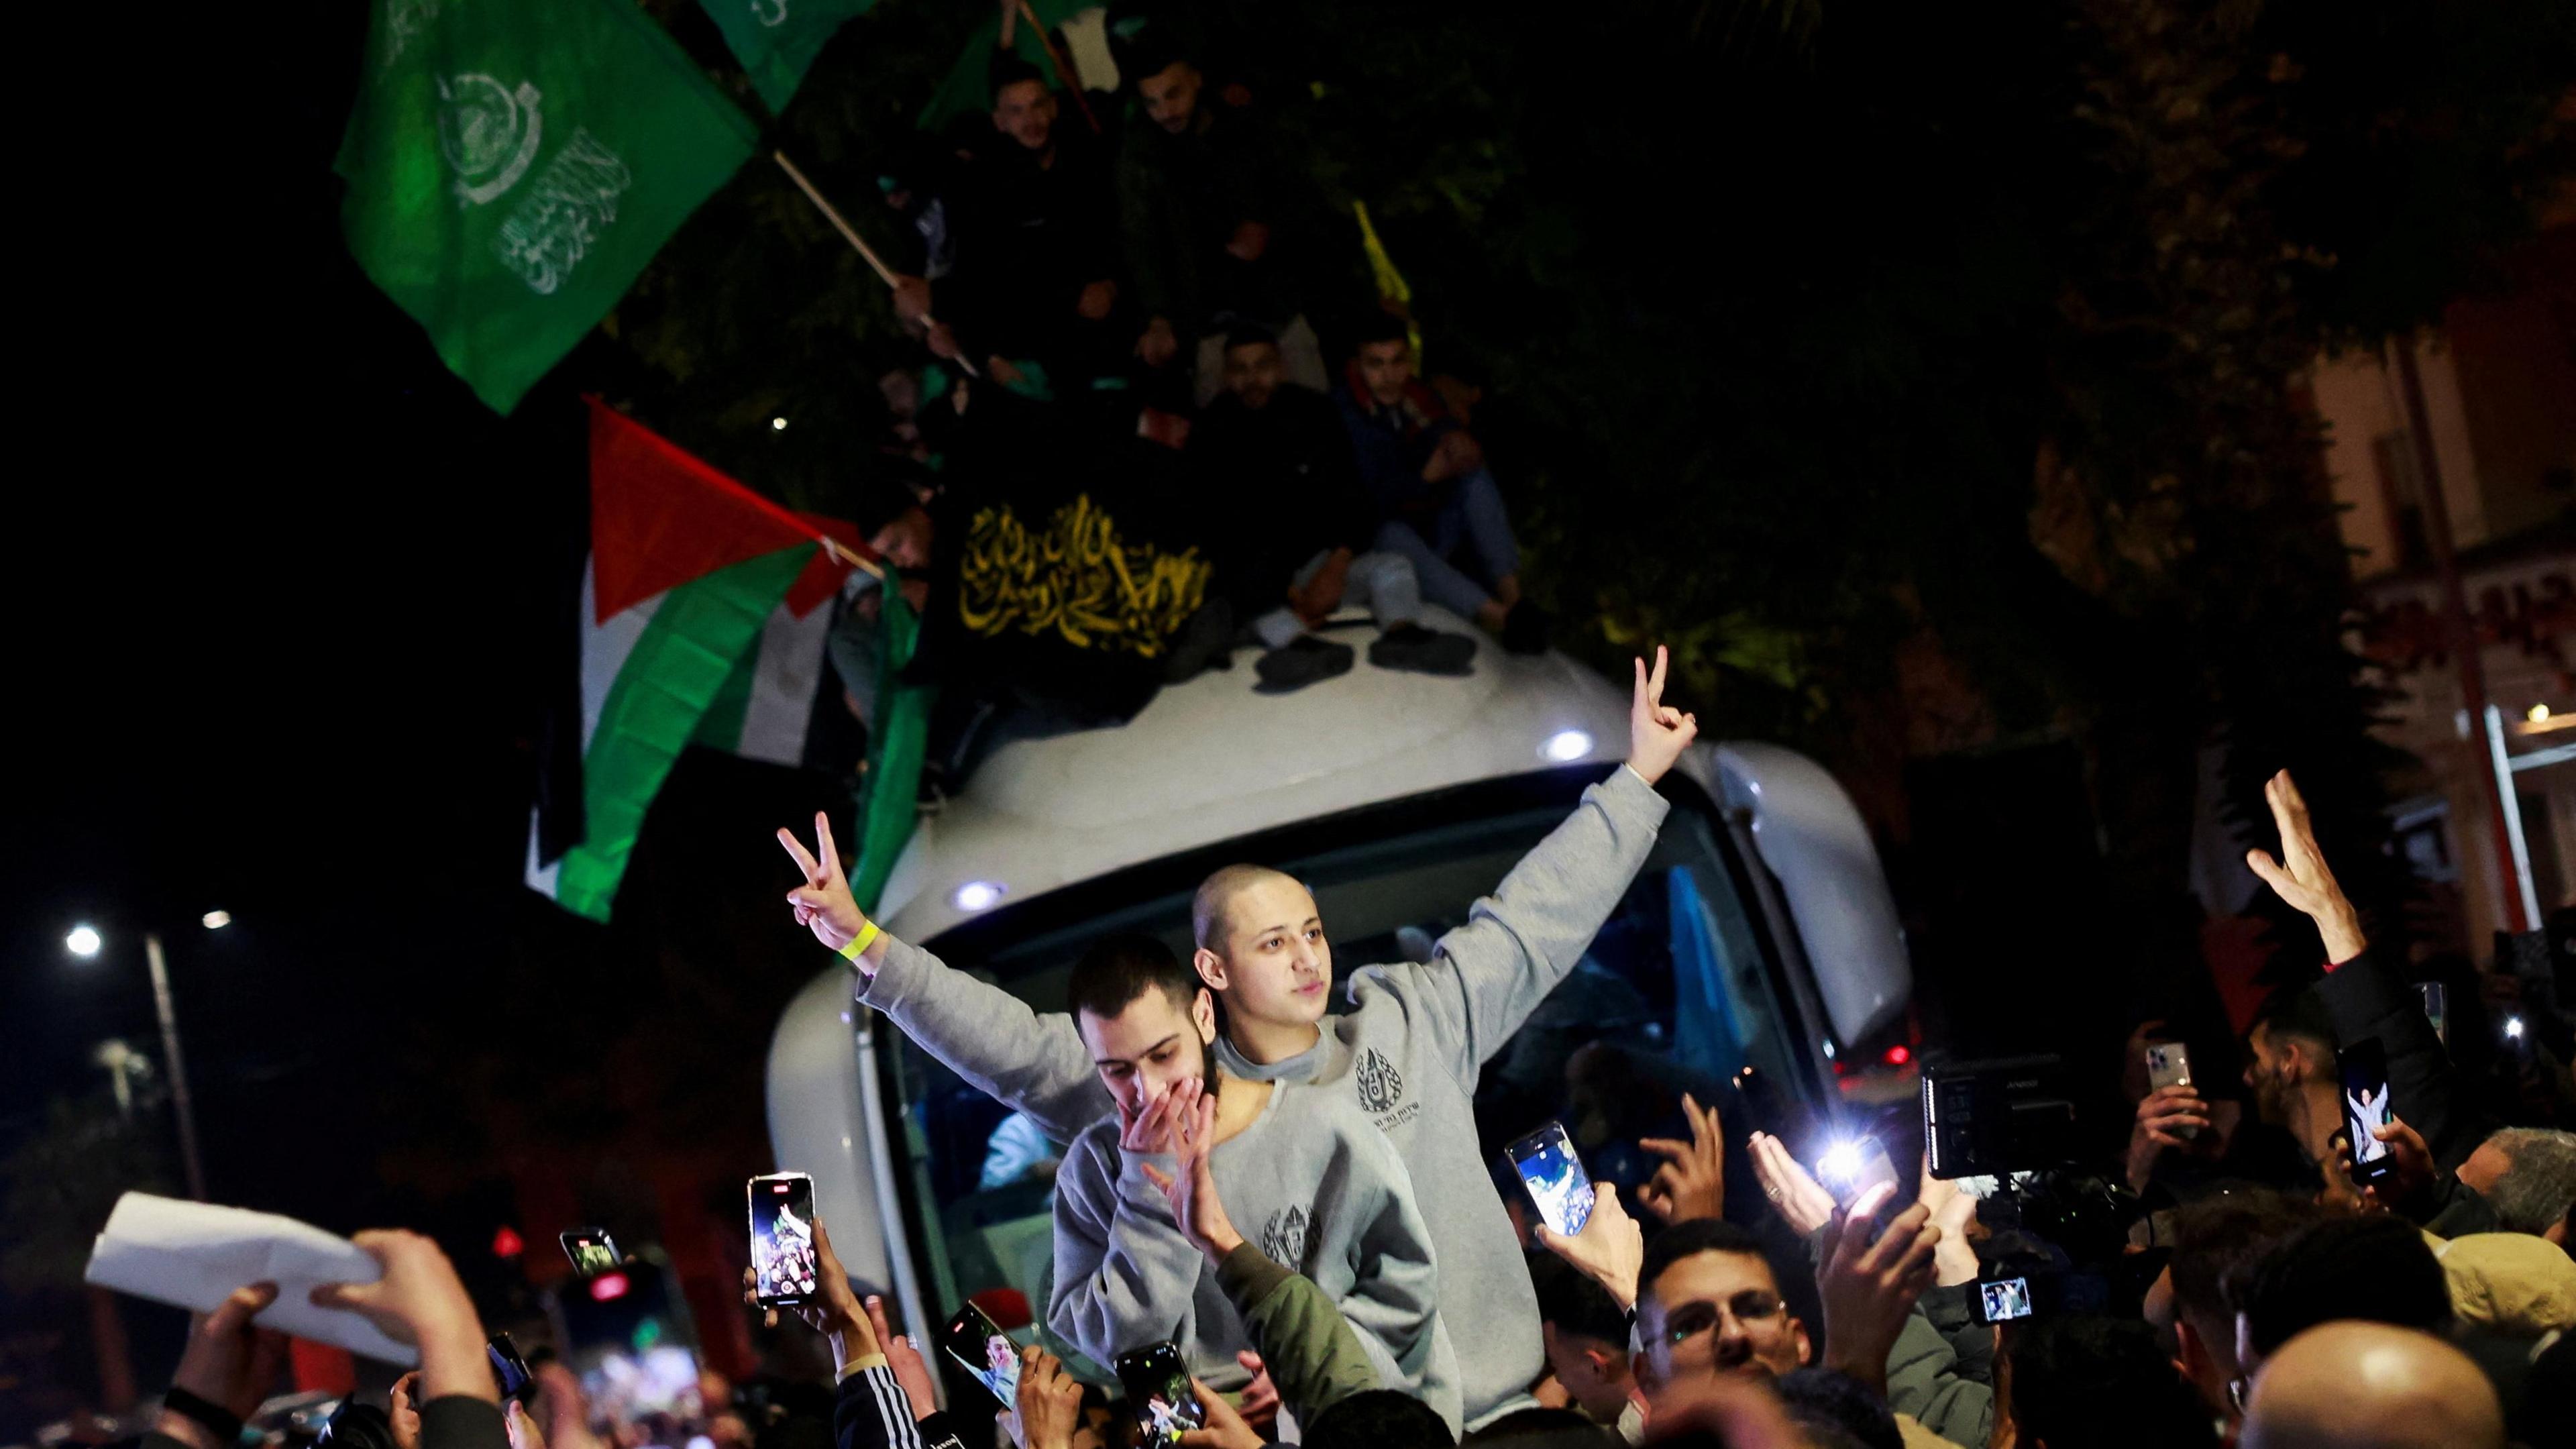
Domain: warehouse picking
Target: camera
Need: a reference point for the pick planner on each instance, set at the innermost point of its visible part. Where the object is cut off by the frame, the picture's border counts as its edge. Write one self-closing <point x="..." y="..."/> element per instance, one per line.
<point x="1996" y="1117"/>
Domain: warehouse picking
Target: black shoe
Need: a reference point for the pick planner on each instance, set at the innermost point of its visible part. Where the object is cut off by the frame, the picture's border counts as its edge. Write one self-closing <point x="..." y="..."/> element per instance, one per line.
<point x="1417" y="650"/>
<point x="1303" y="661"/>
<point x="1204" y="641"/>
<point x="1525" y="629"/>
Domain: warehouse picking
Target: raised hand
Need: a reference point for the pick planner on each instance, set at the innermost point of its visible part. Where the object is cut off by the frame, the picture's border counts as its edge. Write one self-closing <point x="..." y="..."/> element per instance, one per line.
<point x="1259" y="1405"/>
<point x="1148" y="1129"/>
<point x="1225" y="1429"/>
<point x="1610" y="1248"/>
<point x="1657" y="733"/>
<point x="1692" y="1181"/>
<point x="823" y="904"/>
<point x="230" y="1362"/>
<point x="2300" y="876"/>
<point x="1954" y="1258"/>
<point x="420" y="1300"/>
<point x="911" y="1371"/>
<point x="1795" y="1195"/>
<point x="2411" y="1168"/>
<point x="1868" y="1288"/>
<point x="1050" y="1401"/>
<point x="1191" y="1186"/>
<point x="835" y="1314"/>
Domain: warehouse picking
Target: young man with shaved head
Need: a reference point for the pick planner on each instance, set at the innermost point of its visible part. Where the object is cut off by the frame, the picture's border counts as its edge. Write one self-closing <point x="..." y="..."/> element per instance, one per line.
<point x="1408" y="1051"/>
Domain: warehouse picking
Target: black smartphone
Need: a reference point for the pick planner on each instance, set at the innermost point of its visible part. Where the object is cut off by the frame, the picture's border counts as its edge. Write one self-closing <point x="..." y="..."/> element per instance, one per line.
<point x="507" y="1365"/>
<point x="2001" y="1300"/>
<point x="784" y="1265"/>
<point x="1557" y="1183"/>
<point x="984" y="1350"/>
<point x="2363" y="1066"/>
<point x="1158" y="1387"/>
<point x="592" y="1251"/>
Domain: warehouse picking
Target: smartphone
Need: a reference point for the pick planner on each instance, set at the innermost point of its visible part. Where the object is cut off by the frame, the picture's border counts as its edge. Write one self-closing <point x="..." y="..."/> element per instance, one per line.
<point x="2437" y="1008"/>
<point x="1849" y="1169"/>
<point x="2169" y="1065"/>
<point x="1555" y="1178"/>
<point x="984" y="1350"/>
<point x="2001" y="1300"/>
<point x="592" y="1251"/>
<point x="782" y="1238"/>
<point x="2363" y="1066"/>
<point x="507" y="1365"/>
<point x="1158" y="1386"/>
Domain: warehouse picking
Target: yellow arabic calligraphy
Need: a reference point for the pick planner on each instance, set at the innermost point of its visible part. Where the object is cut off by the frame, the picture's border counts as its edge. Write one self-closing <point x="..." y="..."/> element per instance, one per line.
<point x="1076" y="579"/>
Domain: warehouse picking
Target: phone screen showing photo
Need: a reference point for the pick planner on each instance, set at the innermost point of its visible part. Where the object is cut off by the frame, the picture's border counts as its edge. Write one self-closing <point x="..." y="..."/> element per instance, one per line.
<point x="2000" y="1300"/>
<point x="1557" y="1183"/>
<point x="1158" y="1387"/>
<point x="591" y="1250"/>
<point x="2364" y="1069"/>
<point x="983" y="1350"/>
<point x="782" y="1238"/>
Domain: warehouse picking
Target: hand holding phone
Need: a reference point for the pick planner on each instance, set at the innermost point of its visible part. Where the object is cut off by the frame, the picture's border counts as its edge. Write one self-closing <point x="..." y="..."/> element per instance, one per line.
<point x="2001" y="1300"/>
<point x="1557" y="1184"/>
<point x="1158" y="1386"/>
<point x="983" y="1350"/>
<point x="2363" y="1068"/>
<point x="591" y="1250"/>
<point x="785" y="1270"/>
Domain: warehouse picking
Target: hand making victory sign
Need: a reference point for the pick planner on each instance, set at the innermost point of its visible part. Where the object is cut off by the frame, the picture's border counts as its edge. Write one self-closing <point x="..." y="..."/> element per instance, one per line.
<point x="1657" y="733"/>
<point x="824" y="904"/>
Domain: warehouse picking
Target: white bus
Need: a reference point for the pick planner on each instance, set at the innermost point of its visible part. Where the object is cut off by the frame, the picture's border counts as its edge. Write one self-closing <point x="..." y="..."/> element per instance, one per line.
<point x="1759" y="934"/>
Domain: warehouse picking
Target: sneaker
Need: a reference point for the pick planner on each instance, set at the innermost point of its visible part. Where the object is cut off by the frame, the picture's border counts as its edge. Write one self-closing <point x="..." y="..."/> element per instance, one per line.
<point x="1417" y="650"/>
<point x="1305" y="660"/>
<point x="1525" y="629"/>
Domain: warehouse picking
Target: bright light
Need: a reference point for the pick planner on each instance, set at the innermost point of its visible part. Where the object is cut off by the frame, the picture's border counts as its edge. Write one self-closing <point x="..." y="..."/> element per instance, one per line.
<point x="608" y="1286"/>
<point x="1841" y="1162"/>
<point x="82" y="941"/>
<point x="1566" y="746"/>
<point x="2513" y="1027"/>
<point x="217" y="920"/>
<point x="778" y="425"/>
<point x="2537" y="714"/>
<point x="1829" y="1049"/>
<point x="977" y="895"/>
<point x="1899" y="1055"/>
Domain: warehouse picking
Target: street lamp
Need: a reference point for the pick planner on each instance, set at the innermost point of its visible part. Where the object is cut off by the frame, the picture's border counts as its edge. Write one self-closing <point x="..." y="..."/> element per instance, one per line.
<point x="85" y="941"/>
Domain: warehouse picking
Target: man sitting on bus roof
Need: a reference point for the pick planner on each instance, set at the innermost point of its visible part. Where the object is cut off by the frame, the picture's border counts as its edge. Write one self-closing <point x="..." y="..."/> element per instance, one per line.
<point x="1409" y="1050"/>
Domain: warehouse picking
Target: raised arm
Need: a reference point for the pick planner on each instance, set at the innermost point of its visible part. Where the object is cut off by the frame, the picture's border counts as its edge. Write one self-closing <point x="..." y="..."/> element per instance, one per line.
<point x="1030" y="1063"/>
<point x="1486" y="977"/>
<point x="1124" y="1274"/>
<point x="2364" y="994"/>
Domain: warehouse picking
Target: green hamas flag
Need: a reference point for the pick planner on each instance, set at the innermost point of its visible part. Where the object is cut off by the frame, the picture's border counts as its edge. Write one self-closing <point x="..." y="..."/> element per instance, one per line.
<point x="513" y="164"/>
<point x="777" y="39"/>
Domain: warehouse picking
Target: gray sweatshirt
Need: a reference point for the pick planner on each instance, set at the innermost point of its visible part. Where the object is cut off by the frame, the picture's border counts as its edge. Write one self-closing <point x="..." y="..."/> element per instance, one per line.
<point x="1408" y="1051"/>
<point x="1308" y="1181"/>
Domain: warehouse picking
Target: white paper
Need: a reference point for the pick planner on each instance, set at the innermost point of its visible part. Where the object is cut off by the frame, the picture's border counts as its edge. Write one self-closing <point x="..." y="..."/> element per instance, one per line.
<point x="194" y="1254"/>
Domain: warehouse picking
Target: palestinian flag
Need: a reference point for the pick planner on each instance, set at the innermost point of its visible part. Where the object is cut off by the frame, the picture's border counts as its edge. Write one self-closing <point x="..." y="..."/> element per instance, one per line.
<point x="704" y="609"/>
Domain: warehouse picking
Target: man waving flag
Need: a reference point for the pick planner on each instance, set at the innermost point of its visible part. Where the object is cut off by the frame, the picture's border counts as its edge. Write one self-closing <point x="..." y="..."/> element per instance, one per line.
<point x="513" y="164"/>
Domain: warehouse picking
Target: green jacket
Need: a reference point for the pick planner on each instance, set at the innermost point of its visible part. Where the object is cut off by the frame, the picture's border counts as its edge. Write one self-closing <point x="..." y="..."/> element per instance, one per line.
<point x="1941" y="1369"/>
<point x="1313" y="1357"/>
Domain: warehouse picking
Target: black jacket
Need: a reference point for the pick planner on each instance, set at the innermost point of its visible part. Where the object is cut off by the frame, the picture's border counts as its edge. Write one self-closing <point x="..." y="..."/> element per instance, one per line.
<point x="871" y="1412"/>
<point x="2366" y="997"/>
<point x="1275" y="487"/>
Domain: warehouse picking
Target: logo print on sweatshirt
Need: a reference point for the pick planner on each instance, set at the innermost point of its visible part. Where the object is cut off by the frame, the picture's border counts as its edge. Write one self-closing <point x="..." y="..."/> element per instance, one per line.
<point x="1283" y="1239"/>
<point x="1381" y="1085"/>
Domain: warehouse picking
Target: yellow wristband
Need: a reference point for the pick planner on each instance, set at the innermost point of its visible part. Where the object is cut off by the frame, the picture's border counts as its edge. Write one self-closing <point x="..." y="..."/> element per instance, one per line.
<point x="859" y="943"/>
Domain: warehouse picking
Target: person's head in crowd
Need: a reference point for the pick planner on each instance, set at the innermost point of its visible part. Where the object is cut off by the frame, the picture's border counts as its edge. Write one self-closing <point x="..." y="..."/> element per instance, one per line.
<point x="2376" y="1269"/>
<point x="1543" y="1428"/>
<point x="1836" y="1409"/>
<point x="1708" y="1303"/>
<point x="896" y="524"/>
<point x="2214" y="1235"/>
<point x="1383" y="353"/>
<point x="2528" y="1175"/>
<point x="2355" y="1385"/>
<point x="1168" y="87"/>
<point x="2292" y="1049"/>
<point x="2085" y="1380"/>
<point x="1146" y="1020"/>
<point x="1379" y="1419"/>
<point x="1024" y="109"/>
<point x="1586" y="1336"/>
<point x="1253" y="369"/>
<point x="1261" y="946"/>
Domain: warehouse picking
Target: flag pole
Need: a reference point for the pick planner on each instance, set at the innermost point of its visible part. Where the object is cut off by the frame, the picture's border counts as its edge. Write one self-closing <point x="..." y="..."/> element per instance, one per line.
<point x="1065" y="75"/>
<point x="850" y="234"/>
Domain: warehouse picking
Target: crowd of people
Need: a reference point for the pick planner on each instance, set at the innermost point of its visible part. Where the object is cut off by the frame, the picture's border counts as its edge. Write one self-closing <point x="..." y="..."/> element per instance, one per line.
<point x="1159" y="415"/>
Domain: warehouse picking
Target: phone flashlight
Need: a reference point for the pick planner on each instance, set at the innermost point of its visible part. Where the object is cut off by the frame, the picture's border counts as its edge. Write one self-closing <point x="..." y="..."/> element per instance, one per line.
<point x="2513" y="1028"/>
